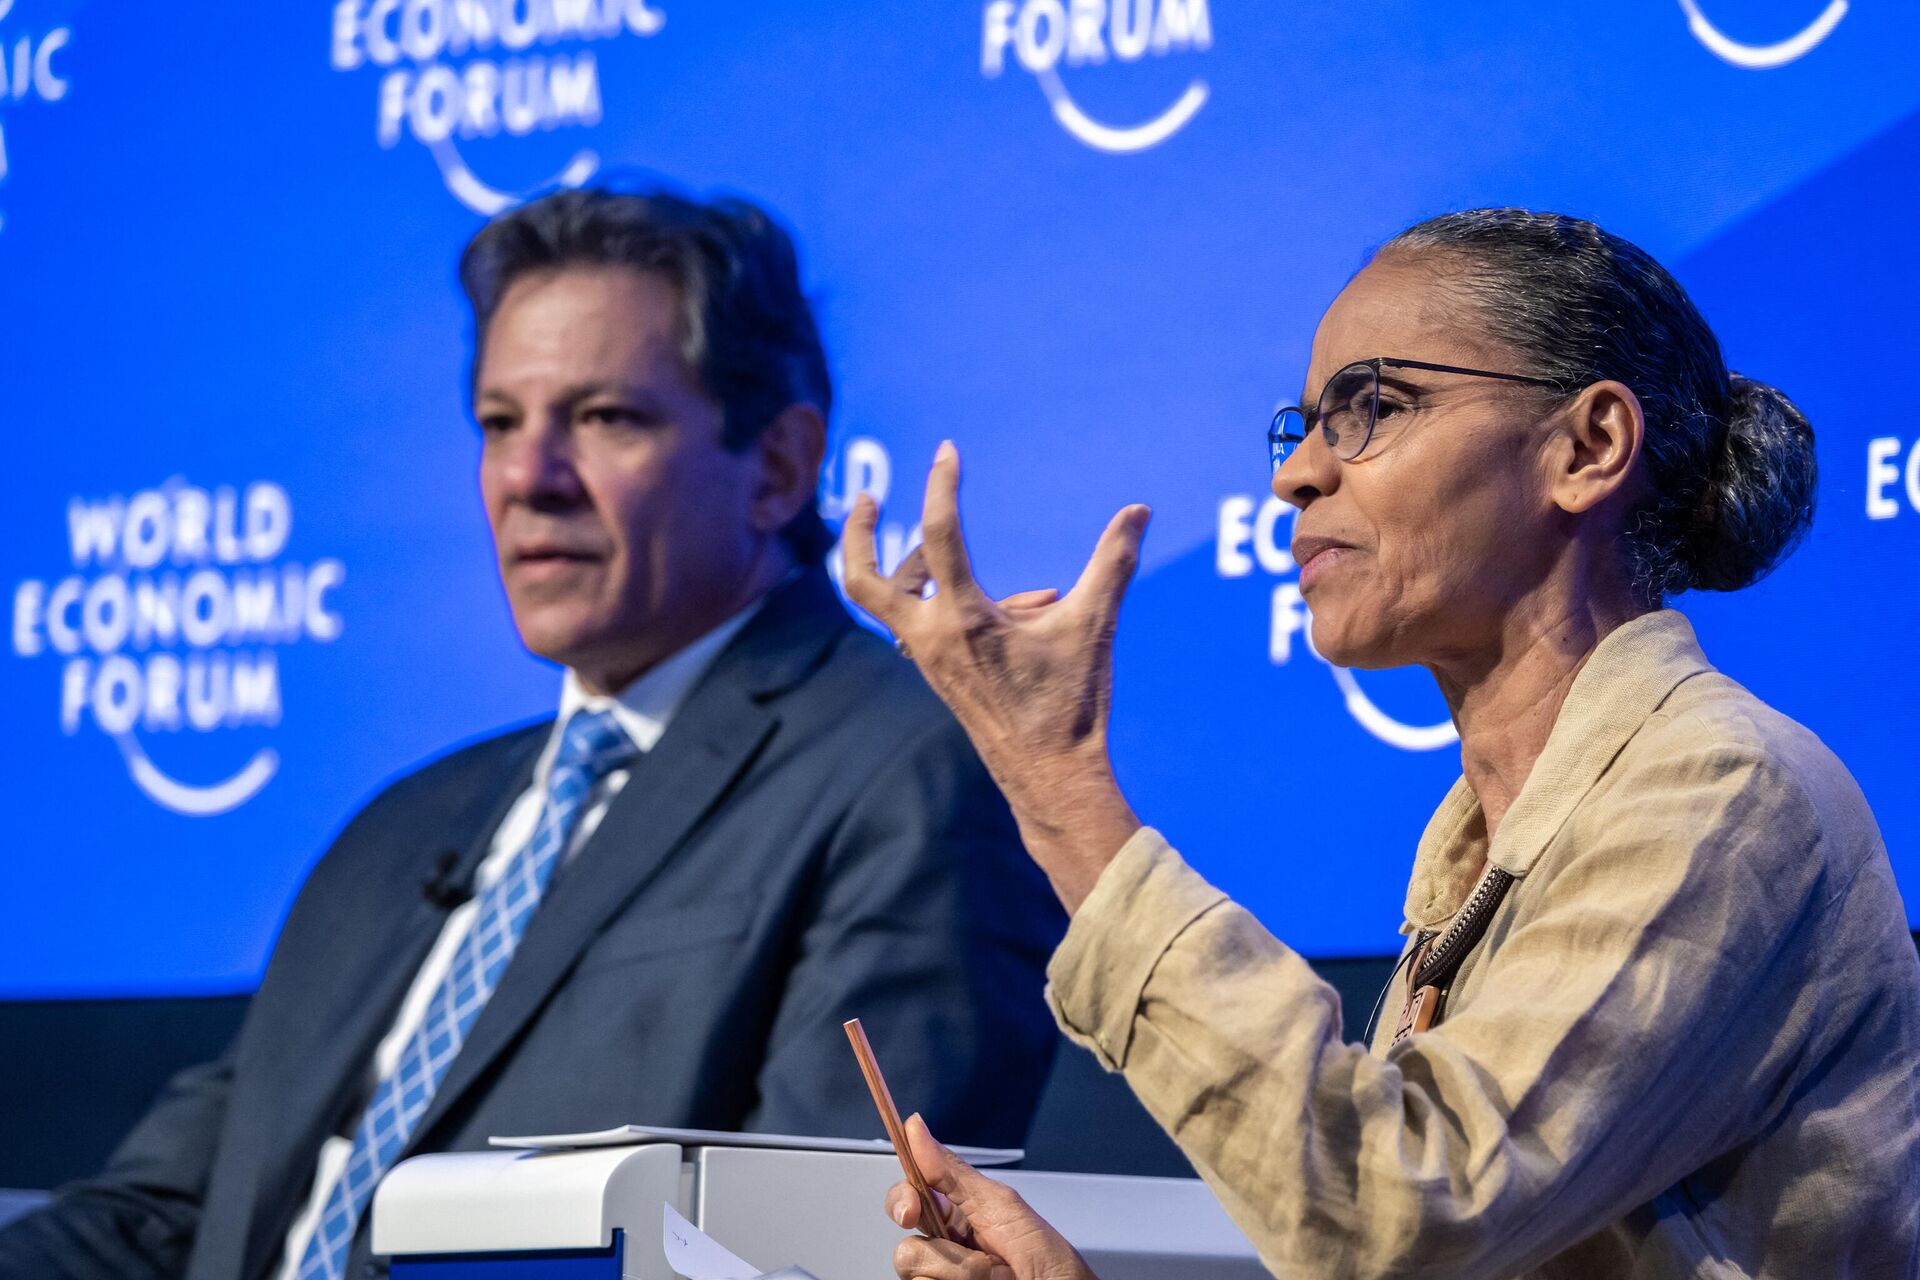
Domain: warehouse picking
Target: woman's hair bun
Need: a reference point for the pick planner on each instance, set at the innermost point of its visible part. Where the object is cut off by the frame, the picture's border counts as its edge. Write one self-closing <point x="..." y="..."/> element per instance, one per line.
<point x="1758" y="500"/>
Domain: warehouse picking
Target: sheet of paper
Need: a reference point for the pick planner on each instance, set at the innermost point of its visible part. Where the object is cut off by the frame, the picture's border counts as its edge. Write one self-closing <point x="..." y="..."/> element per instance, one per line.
<point x="697" y="1255"/>
<point x="627" y="1135"/>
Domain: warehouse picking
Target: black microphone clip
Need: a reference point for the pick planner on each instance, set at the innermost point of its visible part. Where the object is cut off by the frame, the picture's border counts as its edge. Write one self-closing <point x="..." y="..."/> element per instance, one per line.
<point x="446" y="888"/>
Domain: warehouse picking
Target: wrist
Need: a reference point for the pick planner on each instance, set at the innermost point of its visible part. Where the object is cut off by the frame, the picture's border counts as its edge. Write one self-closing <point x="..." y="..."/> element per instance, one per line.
<point x="1075" y="831"/>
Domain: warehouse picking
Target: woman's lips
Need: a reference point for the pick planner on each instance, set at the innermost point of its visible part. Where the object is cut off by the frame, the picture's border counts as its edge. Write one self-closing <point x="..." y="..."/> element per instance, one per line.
<point x="1319" y="562"/>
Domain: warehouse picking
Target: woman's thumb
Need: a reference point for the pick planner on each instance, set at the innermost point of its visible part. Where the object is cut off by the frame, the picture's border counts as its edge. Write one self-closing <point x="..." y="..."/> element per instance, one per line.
<point x="945" y="1172"/>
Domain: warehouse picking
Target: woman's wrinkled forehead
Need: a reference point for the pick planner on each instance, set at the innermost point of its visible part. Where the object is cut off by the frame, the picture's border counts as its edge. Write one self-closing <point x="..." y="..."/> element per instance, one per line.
<point x="1405" y="304"/>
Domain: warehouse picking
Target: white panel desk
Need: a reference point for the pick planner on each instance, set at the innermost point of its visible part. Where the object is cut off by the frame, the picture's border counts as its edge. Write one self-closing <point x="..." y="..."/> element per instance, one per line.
<point x="597" y="1211"/>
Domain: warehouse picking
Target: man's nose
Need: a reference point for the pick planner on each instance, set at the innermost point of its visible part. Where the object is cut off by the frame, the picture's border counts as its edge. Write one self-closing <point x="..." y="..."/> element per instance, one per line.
<point x="540" y="468"/>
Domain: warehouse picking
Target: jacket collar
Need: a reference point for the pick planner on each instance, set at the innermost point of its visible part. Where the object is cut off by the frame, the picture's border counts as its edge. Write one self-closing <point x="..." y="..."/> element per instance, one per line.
<point x="645" y="708"/>
<point x="788" y="638"/>
<point x="1628" y="676"/>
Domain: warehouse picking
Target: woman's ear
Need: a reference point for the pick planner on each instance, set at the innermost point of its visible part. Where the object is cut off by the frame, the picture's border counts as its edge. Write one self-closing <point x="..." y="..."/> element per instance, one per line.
<point x="791" y="450"/>
<point x="1601" y="432"/>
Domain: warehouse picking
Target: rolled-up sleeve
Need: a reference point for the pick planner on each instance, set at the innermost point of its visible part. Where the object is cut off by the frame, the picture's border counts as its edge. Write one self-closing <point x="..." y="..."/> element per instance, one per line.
<point x="1143" y="901"/>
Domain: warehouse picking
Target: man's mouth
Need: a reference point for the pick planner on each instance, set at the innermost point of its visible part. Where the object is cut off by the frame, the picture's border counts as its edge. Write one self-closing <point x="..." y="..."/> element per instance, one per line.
<point x="542" y="560"/>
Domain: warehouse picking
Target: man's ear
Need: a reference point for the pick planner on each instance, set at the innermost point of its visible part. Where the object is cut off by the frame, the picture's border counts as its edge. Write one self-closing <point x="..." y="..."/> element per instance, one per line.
<point x="790" y="450"/>
<point x="1601" y="432"/>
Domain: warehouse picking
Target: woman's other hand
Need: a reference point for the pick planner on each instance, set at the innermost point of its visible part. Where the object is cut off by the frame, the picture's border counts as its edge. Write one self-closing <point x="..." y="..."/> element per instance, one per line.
<point x="993" y="1234"/>
<point x="1029" y="677"/>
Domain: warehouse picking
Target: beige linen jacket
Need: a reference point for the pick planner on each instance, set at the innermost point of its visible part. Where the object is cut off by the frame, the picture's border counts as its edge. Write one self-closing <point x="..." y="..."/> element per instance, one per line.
<point x="1686" y="1048"/>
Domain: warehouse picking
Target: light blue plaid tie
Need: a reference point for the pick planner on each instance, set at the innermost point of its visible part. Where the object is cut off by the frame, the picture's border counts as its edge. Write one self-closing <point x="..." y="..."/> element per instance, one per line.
<point x="591" y="746"/>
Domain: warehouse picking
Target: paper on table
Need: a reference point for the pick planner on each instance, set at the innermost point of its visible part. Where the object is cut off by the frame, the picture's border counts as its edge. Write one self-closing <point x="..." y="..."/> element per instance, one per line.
<point x="633" y="1134"/>
<point x="698" y="1256"/>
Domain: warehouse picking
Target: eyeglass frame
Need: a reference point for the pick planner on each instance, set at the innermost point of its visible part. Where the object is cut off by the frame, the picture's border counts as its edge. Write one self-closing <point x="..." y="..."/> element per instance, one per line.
<point x="1276" y="438"/>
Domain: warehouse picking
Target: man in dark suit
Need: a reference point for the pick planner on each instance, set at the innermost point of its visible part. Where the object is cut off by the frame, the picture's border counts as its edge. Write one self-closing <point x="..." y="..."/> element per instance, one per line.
<point x="750" y="821"/>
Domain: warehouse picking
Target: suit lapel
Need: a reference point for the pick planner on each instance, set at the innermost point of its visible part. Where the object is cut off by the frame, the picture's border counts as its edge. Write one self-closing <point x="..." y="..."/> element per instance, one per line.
<point x="371" y="982"/>
<point x="370" y="995"/>
<point x="711" y="743"/>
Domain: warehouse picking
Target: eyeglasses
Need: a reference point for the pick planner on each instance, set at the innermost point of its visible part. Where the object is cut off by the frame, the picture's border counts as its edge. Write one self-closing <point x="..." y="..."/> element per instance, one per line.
<point x="1349" y="407"/>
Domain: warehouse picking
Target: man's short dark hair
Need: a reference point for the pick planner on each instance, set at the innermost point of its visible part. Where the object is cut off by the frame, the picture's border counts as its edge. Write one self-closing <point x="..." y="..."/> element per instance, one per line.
<point x="747" y="330"/>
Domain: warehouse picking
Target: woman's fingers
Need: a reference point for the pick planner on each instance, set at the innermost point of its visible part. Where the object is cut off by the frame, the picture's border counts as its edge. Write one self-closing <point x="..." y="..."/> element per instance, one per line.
<point x="912" y="577"/>
<point x="948" y="1174"/>
<point x="903" y="1206"/>
<point x="918" y="1258"/>
<point x="950" y="1178"/>
<point x="941" y="1168"/>
<point x="994" y="1217"/>
<point x="1114" y="559"/>
<point x="1038" y="599"/>
<point x="860" y="569"/>
<point x="941" y="540"/>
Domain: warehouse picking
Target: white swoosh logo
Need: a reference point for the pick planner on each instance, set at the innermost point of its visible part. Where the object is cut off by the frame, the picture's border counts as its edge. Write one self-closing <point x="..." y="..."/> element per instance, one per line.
<point x="486" y="200"/>
<point x="1120" y="141"/>
<point x="1408" y="737"/>
<point x="197" y="802"/>
<point x="1761" y="57"/>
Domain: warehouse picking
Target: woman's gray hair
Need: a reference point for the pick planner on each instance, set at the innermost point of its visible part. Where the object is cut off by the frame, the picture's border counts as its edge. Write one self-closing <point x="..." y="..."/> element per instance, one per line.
<point x="1729" y="460"/>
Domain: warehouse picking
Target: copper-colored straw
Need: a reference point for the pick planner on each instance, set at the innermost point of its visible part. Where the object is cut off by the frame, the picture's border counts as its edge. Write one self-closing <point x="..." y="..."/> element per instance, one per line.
<point x="930" y="1223"/>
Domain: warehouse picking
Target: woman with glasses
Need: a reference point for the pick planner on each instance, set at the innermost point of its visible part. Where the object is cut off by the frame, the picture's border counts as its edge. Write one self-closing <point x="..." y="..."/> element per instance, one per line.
<point x="1658" y="1013"/>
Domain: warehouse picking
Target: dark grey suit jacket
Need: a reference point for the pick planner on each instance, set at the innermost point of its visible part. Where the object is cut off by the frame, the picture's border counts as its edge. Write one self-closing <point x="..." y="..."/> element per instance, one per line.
<point x="813" y="839"/>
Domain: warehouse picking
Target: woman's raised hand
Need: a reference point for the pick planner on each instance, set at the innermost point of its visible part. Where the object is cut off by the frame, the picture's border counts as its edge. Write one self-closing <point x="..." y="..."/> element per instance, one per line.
<point x="993" y="1233"/>
<point x="1029" y="677"/>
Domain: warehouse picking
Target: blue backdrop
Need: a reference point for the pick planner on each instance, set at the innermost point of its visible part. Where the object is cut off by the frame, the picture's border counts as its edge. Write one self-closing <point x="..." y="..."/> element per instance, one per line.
<point x="245" y="565"/>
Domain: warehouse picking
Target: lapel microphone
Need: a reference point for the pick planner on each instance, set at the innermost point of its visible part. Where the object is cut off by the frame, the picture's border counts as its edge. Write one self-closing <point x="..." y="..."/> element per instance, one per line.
<point x="446" y="888"/>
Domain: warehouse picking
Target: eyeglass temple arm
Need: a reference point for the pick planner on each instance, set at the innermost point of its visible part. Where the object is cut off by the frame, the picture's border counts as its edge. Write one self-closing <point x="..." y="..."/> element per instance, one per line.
<point x="1478" y="373"/>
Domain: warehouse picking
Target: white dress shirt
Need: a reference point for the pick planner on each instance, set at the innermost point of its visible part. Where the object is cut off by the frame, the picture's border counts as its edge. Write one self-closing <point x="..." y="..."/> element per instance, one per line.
<point x="644" y="708"/>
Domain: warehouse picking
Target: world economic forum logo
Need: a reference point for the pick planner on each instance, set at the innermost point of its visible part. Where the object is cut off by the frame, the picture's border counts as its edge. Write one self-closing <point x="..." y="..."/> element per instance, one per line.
<point x="167" y="622"/>
<point x="461" y="71"/>
<point x="32" y="68"/>
<point x="1045" y="35"/>
<point x="1763" y="57"/>
<point x="1254" y="534"/>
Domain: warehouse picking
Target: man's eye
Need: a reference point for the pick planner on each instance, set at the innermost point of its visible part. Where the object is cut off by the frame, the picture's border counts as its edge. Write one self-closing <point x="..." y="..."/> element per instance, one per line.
<point x="1390" y="407"/>
<point x="494" y="424"/>
<point x="610" y="415"/>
